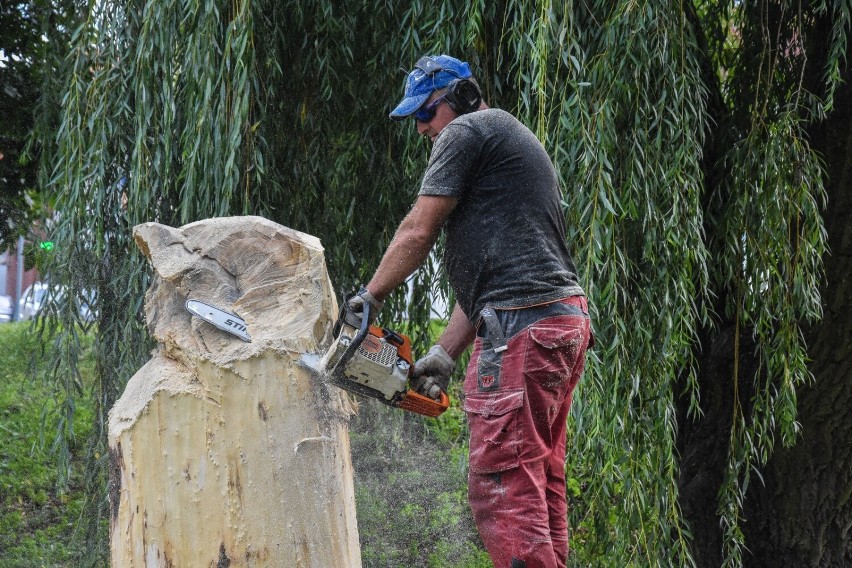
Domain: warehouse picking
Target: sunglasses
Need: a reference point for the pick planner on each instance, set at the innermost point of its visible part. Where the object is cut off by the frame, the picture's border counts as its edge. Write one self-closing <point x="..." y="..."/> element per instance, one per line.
<point x="427" y="113"/>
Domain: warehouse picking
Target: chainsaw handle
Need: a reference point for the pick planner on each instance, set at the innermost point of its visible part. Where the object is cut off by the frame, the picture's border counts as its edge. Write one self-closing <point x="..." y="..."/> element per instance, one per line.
<point x="419" y="404"/>
<point x="393" y="337"/>
<point x="359" y="337"/>
<point x="365" y="320"/>
<point x="348" y="316"/>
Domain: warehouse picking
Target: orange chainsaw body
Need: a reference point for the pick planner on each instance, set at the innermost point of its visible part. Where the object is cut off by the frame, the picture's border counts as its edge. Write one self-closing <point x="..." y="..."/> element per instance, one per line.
<point x="412" y="401"/>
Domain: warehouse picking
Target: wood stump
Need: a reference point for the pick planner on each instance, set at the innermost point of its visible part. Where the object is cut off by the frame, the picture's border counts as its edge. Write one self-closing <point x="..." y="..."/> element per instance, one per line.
<point x="225" y="453"/>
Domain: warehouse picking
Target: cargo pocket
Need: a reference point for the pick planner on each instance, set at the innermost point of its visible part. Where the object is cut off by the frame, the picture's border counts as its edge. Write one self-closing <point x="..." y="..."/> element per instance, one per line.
<point x="554" y="350"/>
<point x="494" y="436"/>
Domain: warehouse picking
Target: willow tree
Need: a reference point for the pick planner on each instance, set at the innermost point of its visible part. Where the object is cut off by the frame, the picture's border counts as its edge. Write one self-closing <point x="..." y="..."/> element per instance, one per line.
<point x="692" y="189"/>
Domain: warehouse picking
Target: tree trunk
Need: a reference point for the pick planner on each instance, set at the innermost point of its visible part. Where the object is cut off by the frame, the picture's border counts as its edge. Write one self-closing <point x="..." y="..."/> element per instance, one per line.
<point x="226" y="453"/>
<point x="803" y="515"/>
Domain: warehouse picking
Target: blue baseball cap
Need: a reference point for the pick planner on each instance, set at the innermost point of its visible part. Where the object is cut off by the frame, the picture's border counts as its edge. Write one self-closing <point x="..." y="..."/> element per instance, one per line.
<point x="430" y="74"/>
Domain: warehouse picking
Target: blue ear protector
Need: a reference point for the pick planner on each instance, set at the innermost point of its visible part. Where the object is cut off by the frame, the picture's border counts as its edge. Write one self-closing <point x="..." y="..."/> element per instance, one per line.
<point x="463" y="95"/>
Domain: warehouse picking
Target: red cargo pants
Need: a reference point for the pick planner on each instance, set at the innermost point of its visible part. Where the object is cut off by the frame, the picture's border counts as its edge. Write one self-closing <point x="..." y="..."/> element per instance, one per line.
<point x="517" y="400"/>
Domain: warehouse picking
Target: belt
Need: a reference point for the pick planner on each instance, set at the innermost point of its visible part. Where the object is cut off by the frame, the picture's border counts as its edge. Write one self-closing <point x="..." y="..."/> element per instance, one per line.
<point x="499" y="323"/>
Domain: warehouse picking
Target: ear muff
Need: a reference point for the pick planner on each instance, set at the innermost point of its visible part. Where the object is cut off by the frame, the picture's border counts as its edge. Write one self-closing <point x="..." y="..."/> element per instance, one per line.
<point x="463" y="95"/>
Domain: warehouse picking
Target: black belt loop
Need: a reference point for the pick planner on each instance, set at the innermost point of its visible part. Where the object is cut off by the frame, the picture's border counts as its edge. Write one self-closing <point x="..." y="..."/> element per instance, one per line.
<point x="493" y="329"/>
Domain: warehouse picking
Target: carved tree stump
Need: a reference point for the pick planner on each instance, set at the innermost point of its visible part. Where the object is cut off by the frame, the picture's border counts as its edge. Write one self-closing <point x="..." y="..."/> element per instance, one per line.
<point x="226" y="453"/>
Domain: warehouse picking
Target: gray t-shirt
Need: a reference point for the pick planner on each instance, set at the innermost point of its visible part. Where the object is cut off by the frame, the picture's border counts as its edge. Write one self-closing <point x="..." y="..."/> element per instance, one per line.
<point x="505" y="240"/>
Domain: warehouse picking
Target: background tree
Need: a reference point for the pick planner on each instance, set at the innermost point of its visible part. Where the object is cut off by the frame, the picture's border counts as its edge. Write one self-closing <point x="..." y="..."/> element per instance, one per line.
<point x="34" y="37"/>
<point x="801" y="516"/>
<point x="689" y="138"/>
<point x="19" y="48"/>
<point x="779" y="106"/>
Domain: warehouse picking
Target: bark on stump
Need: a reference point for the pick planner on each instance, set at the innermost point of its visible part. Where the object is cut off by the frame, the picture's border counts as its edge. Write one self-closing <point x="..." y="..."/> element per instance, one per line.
<point x="226" y="453"/>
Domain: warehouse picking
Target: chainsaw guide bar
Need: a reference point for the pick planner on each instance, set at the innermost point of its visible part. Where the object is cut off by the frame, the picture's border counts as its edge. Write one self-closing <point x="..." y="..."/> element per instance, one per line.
<point x="226" y="321"/>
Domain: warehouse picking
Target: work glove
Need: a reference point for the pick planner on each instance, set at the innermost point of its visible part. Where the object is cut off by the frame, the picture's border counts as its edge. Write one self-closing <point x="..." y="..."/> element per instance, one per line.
<point x="356" y="304"/>
<point x="432" y="372"/>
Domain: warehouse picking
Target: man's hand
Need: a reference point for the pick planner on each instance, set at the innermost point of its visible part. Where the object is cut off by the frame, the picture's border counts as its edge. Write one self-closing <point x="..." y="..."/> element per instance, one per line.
<point x="356" y="304"/>
<point x="432" y="373"/>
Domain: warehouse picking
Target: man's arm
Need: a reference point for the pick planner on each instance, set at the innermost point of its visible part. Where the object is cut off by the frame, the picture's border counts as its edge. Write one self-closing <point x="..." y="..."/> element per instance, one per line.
<point x="411" y="244"/>
<point x="432" y="372"/>
<point x="458" y="335"/>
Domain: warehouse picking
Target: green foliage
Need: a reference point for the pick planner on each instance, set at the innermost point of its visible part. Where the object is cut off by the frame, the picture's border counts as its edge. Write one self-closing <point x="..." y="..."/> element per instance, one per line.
<point x="38" y="514"/>
<point x="630" y="142"/>
<point x="768" y="239"/>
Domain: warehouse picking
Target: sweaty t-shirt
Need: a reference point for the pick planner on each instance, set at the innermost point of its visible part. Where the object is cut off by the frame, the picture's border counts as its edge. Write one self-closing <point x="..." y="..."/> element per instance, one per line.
<point x="505" y="240"/>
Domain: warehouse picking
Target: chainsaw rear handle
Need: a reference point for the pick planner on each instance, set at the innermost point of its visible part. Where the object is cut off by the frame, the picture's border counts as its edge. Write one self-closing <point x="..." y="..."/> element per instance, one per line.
<point x="419" y="404"/>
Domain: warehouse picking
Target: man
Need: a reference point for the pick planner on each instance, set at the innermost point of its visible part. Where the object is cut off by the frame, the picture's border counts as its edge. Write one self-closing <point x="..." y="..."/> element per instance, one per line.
<point x="491" y="186"/>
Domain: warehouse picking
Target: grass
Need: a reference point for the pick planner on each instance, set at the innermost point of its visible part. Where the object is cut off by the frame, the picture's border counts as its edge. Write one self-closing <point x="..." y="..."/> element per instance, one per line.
<point x="37" y="515"/>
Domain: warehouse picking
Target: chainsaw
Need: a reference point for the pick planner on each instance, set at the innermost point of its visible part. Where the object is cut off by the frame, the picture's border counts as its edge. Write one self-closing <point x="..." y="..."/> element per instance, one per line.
<point x="363" y="359"/>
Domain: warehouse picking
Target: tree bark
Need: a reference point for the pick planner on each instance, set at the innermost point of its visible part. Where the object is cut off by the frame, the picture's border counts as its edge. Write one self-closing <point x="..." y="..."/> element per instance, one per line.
<point x="803" y="514"/>
<point x="226" y="453"/>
